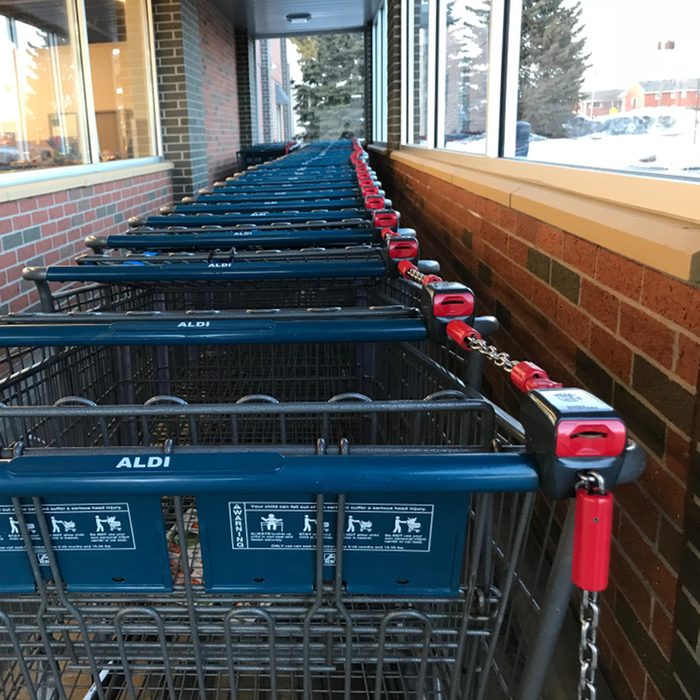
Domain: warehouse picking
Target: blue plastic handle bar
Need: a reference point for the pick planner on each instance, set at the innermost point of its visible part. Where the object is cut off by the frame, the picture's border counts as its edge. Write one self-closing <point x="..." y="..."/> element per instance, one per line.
<point x="277" y="198"/>
<point x="187" y="331"/>
<point x="229" y="219"/>
<point x="205" y="272"/>
<point x="229" y="239"/>
<point x="200" y="471"/>
<point x="296" y="205"/>
<point x="285" y="180"/>
<point x="244" y="187"/>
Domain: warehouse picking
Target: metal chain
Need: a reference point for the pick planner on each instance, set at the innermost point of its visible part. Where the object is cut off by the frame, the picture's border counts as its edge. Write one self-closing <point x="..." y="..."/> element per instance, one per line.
<point x="415" y="274"/>
<point x="589" y="615"/>
<point x="491" y="352"/>
<point x="500" y="359"/>
<point x="589" y="611"/>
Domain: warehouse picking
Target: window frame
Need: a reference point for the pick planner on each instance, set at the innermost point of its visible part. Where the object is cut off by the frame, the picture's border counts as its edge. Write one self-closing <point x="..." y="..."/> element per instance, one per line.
<point x="379" y="76"/>
<point x="11" y="180"/>
<point x="409" y="74"/>
<point x="664" y="195"/>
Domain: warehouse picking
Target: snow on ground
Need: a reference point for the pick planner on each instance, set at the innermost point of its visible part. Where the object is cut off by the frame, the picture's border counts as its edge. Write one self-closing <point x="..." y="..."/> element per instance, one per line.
<point x="668" y="147"/>
<point x="670" y="154"/>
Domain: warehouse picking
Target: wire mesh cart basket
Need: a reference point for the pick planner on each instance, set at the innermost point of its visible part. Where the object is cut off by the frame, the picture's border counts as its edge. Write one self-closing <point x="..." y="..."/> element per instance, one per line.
<point x="235" y="520"/>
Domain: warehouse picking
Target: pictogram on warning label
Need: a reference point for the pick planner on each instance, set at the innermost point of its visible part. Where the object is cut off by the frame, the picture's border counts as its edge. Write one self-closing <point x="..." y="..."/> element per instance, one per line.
<point x="72" y="526"/>
<point x="367" y="526"/>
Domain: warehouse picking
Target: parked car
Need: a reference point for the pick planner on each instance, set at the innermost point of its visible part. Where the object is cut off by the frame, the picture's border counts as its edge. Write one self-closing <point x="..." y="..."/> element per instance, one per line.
<point x="578" y="126"/>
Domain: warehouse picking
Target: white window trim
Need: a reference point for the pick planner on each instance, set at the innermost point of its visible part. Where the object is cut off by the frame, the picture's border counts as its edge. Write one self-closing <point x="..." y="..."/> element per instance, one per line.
<point x="441" y="77"/>
<point x="510" y="114"/>
<point x="433" y="46"/>
<point x="154" y="97"/>
<point x="493" y="80"/>
<point x="83" y="47"/>
<point x="379" y="76"/>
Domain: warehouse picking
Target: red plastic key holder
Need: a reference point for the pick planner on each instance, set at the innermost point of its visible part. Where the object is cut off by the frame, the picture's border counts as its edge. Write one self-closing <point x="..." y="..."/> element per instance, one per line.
<point x="382" y="219"/>
<point x="590" y="566"/>
<point x="402" y="247"/>
<point x="374" y="202"/>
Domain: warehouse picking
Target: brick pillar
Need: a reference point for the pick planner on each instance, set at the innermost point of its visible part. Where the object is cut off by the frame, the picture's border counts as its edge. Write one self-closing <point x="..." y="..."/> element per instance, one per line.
<point x="393" y="136"/>
<point x="247" y="101"/>
<point x="179" y="68"/>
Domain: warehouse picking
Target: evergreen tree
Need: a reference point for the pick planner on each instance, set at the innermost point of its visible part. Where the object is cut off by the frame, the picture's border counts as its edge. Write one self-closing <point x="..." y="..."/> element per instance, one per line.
<point x="552" y="63"/>
<point x="466" y="67"/>
<point x="330" y="100"/>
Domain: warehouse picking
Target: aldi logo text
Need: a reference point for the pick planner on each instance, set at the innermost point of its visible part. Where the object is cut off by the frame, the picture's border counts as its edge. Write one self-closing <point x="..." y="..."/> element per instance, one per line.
<point x="143" y="463"/>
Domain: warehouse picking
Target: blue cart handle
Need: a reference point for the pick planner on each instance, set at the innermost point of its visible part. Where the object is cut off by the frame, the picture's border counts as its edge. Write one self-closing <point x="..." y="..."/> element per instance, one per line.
<point x="206" y="272"/>
<point x="187" y="331"/>
<point x="231" y="239"/>
<point x="195" y="471"/>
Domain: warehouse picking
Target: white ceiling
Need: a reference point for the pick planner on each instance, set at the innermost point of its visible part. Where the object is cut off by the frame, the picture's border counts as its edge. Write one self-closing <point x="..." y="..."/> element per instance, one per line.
<point x="267" y="18"/>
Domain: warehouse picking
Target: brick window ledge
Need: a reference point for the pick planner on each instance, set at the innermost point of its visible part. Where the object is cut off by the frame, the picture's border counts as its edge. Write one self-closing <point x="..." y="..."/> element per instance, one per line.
<point x="20" y="185"/>
<point x="582" y="203"/>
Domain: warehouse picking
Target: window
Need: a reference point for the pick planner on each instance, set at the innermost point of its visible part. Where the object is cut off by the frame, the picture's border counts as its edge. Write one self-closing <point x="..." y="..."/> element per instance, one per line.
<point x="76" y="83"/>
<point x="42" y="111"/>
<point x="609" y="98"/>
<point x="465" y="28"/>
<point x="121" y="78"/>
<point x="583" y="83"/>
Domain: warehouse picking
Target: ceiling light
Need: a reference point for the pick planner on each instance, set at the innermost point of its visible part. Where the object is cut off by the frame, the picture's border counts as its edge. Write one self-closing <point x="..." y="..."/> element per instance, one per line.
<point x="298" y="17"/>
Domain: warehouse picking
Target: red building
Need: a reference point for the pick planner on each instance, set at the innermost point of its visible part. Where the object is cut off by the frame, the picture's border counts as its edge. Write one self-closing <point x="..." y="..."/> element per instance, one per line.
<point x="600" y="103"/>
<point x="663" y="93"/>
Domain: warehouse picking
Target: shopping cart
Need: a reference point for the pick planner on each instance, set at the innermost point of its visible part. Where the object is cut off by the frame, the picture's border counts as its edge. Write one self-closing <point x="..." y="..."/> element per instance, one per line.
<point x="293" y="216"/>
<point x="252" y="515"/>
<point x="262" y="152"/>
<point x="254" y="195"/>
<point x="250" y="238"/>
<point x="270" y="280"/>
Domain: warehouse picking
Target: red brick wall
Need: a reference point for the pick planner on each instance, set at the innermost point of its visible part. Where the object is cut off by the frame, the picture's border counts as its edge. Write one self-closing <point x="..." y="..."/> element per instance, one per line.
<point x="627" y="333"/>
<point x="220" y="89"/>
<point x="51" y="228"/>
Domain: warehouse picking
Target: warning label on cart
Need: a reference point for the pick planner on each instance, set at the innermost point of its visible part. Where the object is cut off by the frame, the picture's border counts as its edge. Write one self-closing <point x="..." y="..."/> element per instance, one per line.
<point x="383" y="527"/>
<point x="72" y="526"/>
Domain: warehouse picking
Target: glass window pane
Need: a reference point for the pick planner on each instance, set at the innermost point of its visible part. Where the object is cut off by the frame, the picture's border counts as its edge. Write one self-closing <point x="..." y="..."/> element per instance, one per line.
<point x="624" y="100"/>
<point x="120" y="61"/>
<point x="329" y="92"/>
<point x="41" y="107"/>
<point x="466" y="71"/>
<point x="419" y="40"/>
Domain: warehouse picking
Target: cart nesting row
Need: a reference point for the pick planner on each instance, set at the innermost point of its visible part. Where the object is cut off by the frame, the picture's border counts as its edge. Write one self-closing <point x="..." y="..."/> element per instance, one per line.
<point x="245" y="454"/>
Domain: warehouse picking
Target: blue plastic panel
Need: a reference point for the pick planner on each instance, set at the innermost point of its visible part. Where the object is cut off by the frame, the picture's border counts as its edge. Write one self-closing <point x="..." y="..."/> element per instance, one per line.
<point x="113" y="544"/>
<point x="392" y="544"/>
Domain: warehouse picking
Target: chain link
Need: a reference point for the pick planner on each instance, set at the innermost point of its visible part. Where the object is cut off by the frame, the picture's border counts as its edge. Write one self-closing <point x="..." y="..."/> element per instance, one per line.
<point x="491" y="352"/>
<point x="500" y="359"/>
<point x="589" y="615"/>
<point x="415" y="274"/>
<point x="589" y="611"/>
